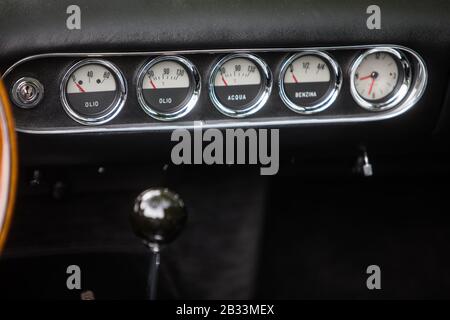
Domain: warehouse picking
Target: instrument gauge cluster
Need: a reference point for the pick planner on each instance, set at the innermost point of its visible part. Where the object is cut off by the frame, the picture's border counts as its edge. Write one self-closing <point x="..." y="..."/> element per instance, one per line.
<point x="220" y="88"/>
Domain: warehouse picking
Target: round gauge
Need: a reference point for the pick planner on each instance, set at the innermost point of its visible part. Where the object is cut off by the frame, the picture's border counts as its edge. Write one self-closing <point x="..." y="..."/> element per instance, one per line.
<point x="309" y="82"/>
<point x="93" y="91"/>
<point x="168" y="87"/>
<point x="380" y="79"/>
<point x="240" y="85"/>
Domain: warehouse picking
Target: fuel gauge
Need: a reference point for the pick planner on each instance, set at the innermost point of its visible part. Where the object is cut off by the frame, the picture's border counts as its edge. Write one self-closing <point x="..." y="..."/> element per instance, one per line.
<point x="309" y="82"/>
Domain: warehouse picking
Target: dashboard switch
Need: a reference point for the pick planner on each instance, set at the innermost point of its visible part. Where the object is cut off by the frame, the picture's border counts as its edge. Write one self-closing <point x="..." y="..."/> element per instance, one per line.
<point x="363" y="165"/>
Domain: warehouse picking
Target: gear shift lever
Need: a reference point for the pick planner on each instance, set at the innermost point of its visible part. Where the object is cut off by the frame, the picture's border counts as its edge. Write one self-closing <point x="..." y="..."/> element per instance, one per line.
<point x="158" y="218"/>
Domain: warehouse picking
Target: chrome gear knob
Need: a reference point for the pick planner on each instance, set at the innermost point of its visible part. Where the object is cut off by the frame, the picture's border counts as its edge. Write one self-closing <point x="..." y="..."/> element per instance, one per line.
<point x="158" y="217"/>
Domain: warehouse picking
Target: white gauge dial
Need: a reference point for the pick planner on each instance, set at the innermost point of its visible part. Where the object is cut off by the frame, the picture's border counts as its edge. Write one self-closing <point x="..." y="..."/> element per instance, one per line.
<point x="166" y="74"/>
<point x="309" y="82"/>
<point x="91" y="78"/>
<point x="93" y="91"/>
<point x="168" y="87"/>
<point x="237" y="72"/>
<point x="377" y="76"/>
<point x="307" y="69"/>
<point x="240" y="84"/>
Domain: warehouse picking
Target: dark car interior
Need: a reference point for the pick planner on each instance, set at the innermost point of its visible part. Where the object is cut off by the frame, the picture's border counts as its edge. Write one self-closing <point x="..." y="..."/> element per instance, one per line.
<point x="347" y="103"/>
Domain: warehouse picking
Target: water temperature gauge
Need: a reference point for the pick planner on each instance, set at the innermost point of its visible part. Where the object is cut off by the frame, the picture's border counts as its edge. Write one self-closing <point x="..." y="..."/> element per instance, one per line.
<point x="309" y="82"/>
<point x="240" y="85"/>
<point x="168" y="87"/>
<point x="93" y="91"/>
<point x="380" y="79"/>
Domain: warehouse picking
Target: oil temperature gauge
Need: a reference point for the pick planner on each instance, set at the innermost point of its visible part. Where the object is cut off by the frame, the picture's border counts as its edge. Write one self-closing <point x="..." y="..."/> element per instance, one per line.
<point x="240" y="85"/>
<point x="168" y="87"/>
<point x="309" y="82"/>
<point x="93" y="91"/>
<point x="380" y="79"/>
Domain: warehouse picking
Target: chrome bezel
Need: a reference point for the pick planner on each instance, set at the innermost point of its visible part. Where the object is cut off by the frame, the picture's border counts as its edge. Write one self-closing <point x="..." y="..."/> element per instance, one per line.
<point x="113" y="110"/>
<point x="325" y="101"/>
<point x="187" y="107"/>
<point x="393" y="99"/>
<point x="266" y="81"/>
<point x="16" y="89"/>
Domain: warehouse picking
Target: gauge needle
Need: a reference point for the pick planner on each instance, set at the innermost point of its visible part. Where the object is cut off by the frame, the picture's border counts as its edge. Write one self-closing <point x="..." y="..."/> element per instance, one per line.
<point x="294" y="77"/>
<point x="371" y="85"/>
<point x="366" y="77"/>
<point x="224" y="81"/>
<point x="80" y="87"/>
<point x="153" y="85"/>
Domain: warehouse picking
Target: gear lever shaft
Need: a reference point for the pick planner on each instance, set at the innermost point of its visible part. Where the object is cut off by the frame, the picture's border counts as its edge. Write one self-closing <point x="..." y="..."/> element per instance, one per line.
<point x="158" y="218"/>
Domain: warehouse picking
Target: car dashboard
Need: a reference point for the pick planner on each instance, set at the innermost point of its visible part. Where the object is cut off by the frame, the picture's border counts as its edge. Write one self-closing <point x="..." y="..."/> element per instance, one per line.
<point x="102" y="91"/>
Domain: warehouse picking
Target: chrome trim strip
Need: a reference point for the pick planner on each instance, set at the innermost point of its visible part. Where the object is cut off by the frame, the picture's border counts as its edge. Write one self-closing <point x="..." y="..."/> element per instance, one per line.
<point x="117" y="104"/>
<point x="324" y="102"/>
<point x="416" y="93"/>
<point x="194" y="76"/>
<point x="401" y="91"/>
<point x="266" y="83"/>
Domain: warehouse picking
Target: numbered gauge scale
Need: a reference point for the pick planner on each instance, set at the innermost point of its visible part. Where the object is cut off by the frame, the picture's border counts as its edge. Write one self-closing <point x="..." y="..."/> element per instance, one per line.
<point x="380" y="79"/>
<point x="93" y="91"/>
<point x="309" y="82"/>
<point x="168" y="87"/>
<point x="240" y="85"/>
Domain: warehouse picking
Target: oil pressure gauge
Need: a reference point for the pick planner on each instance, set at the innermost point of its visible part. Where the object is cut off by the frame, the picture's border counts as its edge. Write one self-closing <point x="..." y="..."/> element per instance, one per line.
<point x="240" y="85"/>
<point x="93" y="91"/>
<point x="168" y="87"/>
<point x="380" y="79"/>
<point x="309" y="82"/>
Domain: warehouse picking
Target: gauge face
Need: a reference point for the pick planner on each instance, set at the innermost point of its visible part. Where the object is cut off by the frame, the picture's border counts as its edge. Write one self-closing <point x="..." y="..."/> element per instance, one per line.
<point x="380" y="79"/>
<point x="240" y="85"/>
<point x="168" y="87"/>
<point x="92" y="91"/>
<point x="377" y="76"/>
<point x="308" y="82"/>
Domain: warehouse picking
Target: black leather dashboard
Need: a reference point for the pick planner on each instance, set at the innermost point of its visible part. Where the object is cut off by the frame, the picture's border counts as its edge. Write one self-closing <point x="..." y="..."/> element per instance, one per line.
<point x="30" y="27"/>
